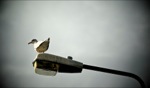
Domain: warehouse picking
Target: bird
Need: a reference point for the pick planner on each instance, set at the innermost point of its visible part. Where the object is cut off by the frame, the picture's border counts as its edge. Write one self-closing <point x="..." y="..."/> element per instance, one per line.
<point x="40" y="46"/>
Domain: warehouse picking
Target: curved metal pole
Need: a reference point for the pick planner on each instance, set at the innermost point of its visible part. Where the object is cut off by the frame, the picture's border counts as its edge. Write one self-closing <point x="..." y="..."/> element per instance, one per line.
<point x="115" y="72"/>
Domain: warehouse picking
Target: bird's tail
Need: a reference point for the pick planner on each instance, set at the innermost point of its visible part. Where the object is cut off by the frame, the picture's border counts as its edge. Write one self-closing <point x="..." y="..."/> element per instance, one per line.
<point x="48" y="39"/>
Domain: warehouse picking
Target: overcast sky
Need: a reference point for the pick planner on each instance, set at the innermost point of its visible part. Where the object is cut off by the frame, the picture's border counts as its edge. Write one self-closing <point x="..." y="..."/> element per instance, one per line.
<point x="110" y="34"/>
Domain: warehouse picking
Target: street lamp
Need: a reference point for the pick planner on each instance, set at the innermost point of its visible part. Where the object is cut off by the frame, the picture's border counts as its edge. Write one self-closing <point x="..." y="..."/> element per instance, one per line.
<point x="48" y="64"/>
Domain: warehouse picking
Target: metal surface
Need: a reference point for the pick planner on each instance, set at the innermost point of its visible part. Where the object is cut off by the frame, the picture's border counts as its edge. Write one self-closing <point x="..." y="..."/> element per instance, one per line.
<point x="48" y="64"/>
<point x="47" y="61"/>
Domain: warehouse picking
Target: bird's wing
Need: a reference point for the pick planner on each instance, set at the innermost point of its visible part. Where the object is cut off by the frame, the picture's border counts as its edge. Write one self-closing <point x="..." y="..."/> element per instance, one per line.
<point x="43" y="46"/>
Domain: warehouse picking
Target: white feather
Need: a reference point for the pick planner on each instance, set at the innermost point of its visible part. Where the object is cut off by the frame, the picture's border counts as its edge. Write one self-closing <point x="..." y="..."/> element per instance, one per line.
<point x="37" y="44"/>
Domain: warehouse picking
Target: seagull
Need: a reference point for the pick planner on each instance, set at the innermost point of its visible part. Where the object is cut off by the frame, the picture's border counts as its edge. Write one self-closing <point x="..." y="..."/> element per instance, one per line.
<point x="40" y="46"/>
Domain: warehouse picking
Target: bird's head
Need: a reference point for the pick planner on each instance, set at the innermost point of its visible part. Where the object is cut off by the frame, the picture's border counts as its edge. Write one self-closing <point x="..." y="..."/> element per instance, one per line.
<point x="33" y="41"/>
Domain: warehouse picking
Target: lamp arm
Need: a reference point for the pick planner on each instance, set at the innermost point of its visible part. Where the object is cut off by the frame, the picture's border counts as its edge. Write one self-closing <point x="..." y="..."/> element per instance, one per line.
<point x="106" y="70"/>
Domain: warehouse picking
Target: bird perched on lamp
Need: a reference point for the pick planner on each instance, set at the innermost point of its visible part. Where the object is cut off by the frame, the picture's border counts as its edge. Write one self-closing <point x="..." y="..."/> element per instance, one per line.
<point x="40" y="46"/>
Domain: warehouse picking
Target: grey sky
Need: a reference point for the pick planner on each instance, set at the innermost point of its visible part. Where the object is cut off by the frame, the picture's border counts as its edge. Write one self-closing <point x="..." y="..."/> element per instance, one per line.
<point x="110" y="34"/>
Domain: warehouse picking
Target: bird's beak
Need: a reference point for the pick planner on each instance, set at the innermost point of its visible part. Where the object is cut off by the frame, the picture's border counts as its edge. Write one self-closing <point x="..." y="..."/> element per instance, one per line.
<point x="29" y="43"/>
